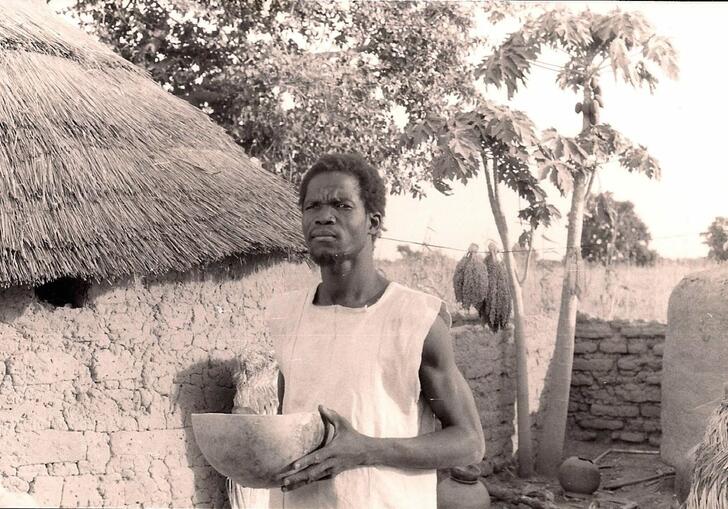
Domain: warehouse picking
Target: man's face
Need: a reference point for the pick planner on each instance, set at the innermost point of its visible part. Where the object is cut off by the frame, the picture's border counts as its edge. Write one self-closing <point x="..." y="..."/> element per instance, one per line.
<point x="336" y="225"/>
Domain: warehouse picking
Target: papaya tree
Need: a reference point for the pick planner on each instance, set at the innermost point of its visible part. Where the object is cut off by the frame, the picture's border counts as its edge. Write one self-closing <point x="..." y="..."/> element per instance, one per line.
<point x="628" y="44"/>
<point x="502" y="144"/>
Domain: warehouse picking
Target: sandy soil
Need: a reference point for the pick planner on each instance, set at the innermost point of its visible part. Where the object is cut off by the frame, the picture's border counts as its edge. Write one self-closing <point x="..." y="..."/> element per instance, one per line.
<point x="614" y="468"/>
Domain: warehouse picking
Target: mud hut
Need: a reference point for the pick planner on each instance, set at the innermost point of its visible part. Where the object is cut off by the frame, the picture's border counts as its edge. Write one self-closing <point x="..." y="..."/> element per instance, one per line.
<point x="695" y="360"/>
<point x="138" y="243"/>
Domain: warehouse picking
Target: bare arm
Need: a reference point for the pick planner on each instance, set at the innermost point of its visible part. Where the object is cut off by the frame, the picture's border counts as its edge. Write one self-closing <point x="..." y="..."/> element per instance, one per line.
<point x="460" y="442"/>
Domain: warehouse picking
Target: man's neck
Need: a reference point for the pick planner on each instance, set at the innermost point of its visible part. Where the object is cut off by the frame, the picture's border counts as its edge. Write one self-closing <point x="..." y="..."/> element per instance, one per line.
<point x="350" y="283"/>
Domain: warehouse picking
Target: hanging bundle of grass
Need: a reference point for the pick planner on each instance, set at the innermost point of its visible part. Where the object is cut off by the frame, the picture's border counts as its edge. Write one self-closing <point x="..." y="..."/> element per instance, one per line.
<point x="709" y="484"/>
<point x="495" y="309"/>
<point x="470" y="280"/>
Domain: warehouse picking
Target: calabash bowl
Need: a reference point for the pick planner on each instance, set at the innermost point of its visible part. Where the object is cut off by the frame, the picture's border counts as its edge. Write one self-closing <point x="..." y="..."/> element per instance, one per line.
<point x="253" y="449"/>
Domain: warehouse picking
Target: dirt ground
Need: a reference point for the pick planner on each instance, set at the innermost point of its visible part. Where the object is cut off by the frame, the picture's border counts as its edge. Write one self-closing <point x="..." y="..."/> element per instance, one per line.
<point x="614" y="468"/>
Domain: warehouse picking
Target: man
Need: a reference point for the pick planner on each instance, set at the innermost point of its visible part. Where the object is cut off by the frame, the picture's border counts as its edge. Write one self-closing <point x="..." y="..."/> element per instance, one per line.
<point x="374" y="357"/>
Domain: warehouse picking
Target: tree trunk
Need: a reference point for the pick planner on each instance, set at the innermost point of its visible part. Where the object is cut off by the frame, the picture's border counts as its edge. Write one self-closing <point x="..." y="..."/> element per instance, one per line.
<point x="525" y="442"/>
<point x="523" y="414"/>
<point x="551" y="440"/>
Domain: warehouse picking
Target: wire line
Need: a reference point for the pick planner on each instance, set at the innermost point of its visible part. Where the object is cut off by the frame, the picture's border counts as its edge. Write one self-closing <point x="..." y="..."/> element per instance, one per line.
<point x="546" y="250"/>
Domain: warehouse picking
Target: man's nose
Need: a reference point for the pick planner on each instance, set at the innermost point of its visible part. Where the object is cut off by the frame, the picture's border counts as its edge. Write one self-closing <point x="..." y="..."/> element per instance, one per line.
<point x="326" y="216"/>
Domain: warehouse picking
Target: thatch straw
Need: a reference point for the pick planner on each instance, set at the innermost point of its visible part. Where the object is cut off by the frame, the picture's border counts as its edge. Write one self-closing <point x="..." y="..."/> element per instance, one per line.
<point x="709" y="483"/>
<point x="105" y="174"/>
<point x="256" y="384"/>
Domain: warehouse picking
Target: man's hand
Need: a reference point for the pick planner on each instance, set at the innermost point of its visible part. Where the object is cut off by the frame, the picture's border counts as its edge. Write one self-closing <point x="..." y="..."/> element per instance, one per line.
<point x="346" y="449"/>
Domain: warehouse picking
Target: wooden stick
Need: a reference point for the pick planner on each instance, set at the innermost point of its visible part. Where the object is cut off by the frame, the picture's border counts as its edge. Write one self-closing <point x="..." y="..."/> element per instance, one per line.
<point x="635" y="451"/>
<point x="622" y="484"/>
<point x="624" y="451"/>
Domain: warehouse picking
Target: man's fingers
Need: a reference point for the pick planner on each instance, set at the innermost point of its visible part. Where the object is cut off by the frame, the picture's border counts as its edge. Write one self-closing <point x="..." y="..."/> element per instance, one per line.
<point x="331" y="473"/>
<point x="303" y="463"/>
<point x="312" y="474"/>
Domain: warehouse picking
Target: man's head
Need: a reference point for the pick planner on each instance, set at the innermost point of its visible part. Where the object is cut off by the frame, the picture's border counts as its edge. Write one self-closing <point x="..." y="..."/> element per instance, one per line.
<point x="342" y="199"/>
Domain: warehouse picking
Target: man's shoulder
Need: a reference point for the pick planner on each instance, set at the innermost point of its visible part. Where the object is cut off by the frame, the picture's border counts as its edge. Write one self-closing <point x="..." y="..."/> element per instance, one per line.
<point x="280" y="304"/>
<point x="415" y="293"/>
<point x="424" y="299"/>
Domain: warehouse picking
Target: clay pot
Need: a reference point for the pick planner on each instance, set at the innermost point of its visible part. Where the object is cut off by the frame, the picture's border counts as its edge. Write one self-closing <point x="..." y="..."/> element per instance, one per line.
<point x="253" y="449"/>
<point x="462" y="490"/>
<point x="579" y="475"/>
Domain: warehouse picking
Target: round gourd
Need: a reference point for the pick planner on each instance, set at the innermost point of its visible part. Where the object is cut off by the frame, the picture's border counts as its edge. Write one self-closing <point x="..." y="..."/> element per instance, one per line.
<point x="462" y="490"/>
<point x="253" y="449"/>
<point x="579" y="475"/>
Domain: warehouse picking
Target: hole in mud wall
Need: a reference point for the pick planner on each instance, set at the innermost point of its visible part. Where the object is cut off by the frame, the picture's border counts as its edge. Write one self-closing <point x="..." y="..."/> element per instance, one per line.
<point x="65" y="291"/>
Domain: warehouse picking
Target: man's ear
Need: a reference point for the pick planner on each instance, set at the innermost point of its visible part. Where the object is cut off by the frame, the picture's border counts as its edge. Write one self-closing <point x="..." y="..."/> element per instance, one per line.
<point x="375" y="224"/>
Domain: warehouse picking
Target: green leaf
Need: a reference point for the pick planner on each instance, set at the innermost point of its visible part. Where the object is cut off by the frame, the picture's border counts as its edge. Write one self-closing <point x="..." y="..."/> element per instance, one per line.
<point x="509" y="64"/>
<point x="660" y="50"/>
<point x="444" y="167"/>
<point x="544" y="170"/>
<point x="573" y="152"/>
<point x="462" y="147"/>
<point x="618" y="59"/>
<point x="637" y="159"/>
<point x="645" y="76"/>
<point x="562" y="178"/>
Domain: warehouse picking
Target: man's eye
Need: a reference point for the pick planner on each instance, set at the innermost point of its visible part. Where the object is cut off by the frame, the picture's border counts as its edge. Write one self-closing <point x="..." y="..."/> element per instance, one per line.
<point x="343" y="206"/>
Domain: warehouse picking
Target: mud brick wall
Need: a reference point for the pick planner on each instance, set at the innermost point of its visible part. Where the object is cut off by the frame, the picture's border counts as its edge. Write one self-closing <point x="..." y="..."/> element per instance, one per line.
<point x="95" y="402"/>
<point x="487" y="361"/>
<point x="615" y="384"/>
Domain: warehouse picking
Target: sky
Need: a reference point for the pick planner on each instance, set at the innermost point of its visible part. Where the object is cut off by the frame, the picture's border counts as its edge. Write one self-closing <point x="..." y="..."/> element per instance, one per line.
<point x="681" y="124"/>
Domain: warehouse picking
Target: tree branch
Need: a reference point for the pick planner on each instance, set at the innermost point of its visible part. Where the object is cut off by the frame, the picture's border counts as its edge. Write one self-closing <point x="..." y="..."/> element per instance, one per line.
<point x="589" y="186"/>
<point x="487" y="179"/>
<point x="199" y="95"/>
<point x="496" y="194"/>
<point x="333" y="53"/>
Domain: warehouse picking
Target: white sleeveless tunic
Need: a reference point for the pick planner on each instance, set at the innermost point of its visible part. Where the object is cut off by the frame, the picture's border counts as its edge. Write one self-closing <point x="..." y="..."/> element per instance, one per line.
<point x="364" y="364"/>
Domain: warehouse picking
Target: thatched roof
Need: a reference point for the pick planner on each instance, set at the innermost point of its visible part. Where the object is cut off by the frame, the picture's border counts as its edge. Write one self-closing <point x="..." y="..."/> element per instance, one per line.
<point x="104" y="174"/>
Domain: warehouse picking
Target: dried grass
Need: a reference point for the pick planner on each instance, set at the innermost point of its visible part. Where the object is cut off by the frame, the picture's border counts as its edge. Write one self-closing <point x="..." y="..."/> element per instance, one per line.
<point x="709" y="487"/>
<point x="104" y="174"/>
<point x="623" y="292"/>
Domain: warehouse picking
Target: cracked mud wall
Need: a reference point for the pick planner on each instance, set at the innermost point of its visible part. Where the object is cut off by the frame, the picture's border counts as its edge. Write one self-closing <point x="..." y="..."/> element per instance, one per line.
<point x="95" y="402"/>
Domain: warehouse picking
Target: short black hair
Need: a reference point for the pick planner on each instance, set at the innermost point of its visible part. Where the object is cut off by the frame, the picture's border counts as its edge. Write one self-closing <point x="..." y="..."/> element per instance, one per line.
<point x="371" y="185"/>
